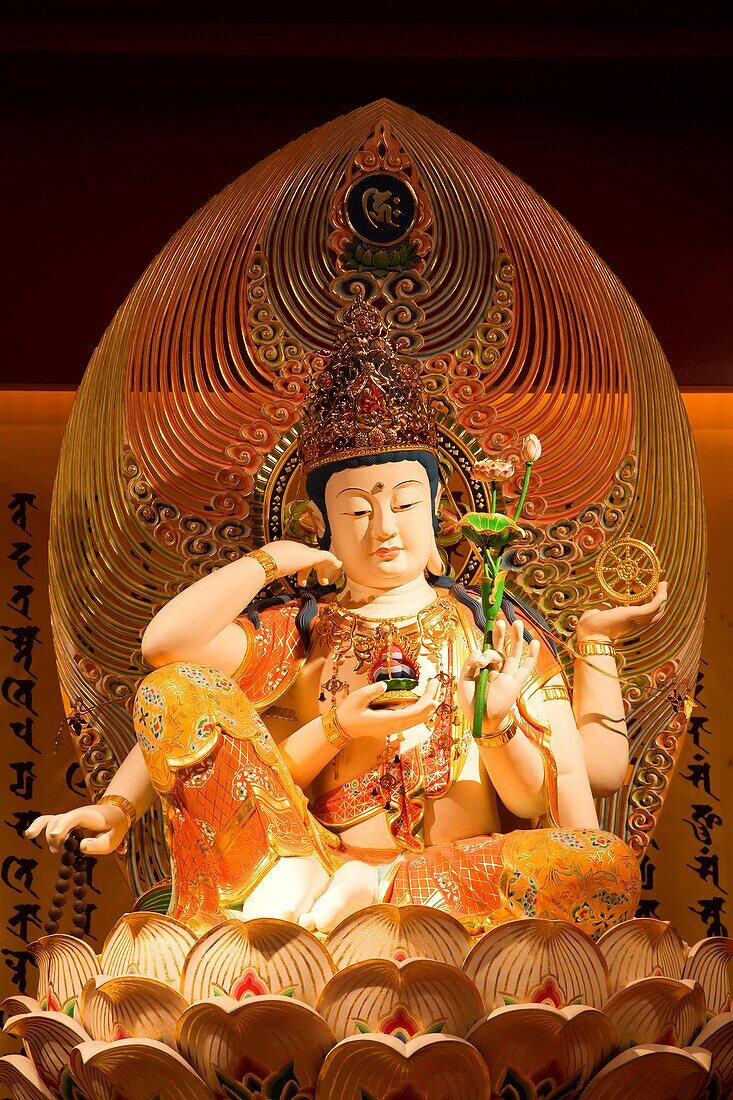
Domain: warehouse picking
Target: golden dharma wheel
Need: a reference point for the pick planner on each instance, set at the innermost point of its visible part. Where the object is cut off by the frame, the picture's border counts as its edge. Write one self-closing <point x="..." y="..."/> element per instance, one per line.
<point x="628" y="571"/>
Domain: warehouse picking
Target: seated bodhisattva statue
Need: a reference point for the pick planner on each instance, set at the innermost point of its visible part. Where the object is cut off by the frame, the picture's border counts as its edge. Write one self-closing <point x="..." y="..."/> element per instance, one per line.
<point x="320" y="755"/>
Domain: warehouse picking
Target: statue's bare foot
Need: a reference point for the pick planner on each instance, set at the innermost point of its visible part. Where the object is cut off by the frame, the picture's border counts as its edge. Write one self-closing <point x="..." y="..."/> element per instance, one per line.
<point x="287" y="890"/>
<point x="353" y="887"/>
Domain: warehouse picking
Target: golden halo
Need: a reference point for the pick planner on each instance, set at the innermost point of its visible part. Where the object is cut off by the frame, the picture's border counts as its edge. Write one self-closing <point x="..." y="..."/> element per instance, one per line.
<point x="628" y="571"/>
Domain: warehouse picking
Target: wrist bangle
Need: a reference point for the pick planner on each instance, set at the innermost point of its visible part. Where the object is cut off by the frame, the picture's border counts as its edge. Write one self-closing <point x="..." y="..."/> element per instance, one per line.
<point x="555" y="691"/>
<point x="501" y="737"/>
<point x="267" y="562"/>
<point x="333" y="731"/>
<point x="123" y="804"/>
<point x="595" y="649"/>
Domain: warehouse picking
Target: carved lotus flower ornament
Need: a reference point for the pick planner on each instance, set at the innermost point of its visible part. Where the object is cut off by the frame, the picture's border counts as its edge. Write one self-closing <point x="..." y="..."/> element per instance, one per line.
<point x="398" y="1004"/>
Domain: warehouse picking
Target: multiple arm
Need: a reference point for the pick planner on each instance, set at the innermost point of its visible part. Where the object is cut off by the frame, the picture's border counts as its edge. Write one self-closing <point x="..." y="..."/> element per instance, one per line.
<point x="591" y="757"/>
<point x="597" y="701"/>
<point x="588" y="742"/>
<point x="198" y="625"/>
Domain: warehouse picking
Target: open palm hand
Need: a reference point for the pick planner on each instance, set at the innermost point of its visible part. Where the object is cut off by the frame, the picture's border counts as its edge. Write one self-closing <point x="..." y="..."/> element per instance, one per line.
<point x="613" y="623"/>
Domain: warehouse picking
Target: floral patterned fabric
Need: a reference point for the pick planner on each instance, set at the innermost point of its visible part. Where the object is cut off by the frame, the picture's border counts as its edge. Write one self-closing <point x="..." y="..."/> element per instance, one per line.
<point x="274" y="655"/>
<point x="231" y="808"/>
<point x="585" y="876"/>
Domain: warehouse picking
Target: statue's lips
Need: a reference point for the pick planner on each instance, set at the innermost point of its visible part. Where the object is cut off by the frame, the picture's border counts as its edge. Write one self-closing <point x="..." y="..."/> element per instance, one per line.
<point x="387" y="553"/>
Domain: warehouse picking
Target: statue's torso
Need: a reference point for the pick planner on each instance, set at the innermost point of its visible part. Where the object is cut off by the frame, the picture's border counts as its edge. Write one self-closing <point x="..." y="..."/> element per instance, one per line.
<point x="467" y="808"/>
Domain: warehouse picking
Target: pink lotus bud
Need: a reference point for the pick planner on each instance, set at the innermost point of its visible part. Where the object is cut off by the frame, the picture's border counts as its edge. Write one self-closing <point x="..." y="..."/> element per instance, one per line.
<point x="531" y="448"/>
<point x="492" y="469"/>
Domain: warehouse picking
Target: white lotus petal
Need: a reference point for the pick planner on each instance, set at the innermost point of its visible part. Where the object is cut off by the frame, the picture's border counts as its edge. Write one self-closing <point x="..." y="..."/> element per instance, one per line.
<point x="131" y="1008"/>
<point x="652" y="1072"/>
<point x="437" y="1067"/>
<point x="269" y="1031"/>
<point x="65" y="965"/>
<point x="538" y="960"/>
<point x="21" y="1078"/>
<point x="257" y="956"/>
<point x="48" y="1038"/>
<point x="135" y="1068"/>
<point x="147" y="944"/>
<point x="411" y="997"/>
<point x="398" y="933"/>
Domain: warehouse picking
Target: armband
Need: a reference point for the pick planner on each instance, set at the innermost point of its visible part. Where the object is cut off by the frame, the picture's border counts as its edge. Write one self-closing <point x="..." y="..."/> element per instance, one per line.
<point x="595" y="649"/>
<point x="555" y="691"/>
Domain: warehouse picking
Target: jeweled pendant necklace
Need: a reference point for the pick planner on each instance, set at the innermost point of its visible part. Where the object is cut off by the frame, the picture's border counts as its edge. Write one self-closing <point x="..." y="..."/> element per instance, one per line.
<point x="383" y="647"/>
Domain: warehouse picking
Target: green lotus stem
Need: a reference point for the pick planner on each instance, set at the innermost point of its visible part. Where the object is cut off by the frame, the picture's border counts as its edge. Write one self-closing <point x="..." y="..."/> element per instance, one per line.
<point x="493" y="497"/>
<point x="482" y="683"/>
<point x="523" y="494"/>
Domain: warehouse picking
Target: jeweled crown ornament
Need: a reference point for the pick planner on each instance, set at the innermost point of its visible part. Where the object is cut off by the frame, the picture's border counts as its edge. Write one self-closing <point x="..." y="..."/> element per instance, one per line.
<point x="366" y="400"/>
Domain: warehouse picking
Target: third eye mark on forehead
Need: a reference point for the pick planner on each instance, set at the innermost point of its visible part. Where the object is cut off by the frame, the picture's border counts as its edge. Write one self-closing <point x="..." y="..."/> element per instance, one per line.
<point x="378" y="486"/>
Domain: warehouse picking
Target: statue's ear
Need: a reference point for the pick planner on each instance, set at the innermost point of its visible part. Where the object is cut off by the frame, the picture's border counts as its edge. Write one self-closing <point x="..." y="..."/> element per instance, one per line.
<point x="316" y="517"/>
<point x="436" y="565"/>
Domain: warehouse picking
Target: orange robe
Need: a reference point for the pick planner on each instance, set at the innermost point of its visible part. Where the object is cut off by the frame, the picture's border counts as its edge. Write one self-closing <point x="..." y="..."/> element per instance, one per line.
<point x="231" y="808"/>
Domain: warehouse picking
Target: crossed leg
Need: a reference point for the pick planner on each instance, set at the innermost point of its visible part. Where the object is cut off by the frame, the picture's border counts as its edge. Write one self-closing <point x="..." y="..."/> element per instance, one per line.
<point x="353" y="886"/>
<point x="287" y="890"/>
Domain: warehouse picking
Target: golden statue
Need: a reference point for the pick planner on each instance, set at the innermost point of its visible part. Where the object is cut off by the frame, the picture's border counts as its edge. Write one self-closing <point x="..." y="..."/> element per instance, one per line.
<point x="320" y="753"/>
<point x="310" y="551"/>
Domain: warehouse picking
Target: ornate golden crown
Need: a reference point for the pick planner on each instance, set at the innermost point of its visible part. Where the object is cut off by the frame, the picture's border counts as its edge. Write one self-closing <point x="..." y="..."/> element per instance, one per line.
<point x="366" y="399"/>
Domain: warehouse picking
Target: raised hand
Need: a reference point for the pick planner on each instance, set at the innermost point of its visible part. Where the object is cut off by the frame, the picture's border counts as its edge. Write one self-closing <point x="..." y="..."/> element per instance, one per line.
<point x="506" y="679"/>
<point x="296" y="559"/>
<point x="613" y="623"/>
<point x="107" y="821"/>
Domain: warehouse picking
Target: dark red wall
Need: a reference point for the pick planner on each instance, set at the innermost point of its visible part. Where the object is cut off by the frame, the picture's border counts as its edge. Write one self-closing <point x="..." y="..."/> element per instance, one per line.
<point x="115" y="132"/>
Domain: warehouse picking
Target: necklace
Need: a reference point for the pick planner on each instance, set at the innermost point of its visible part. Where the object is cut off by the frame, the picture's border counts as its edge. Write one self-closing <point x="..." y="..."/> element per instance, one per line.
<point x="345" y="632"/>
<point x="399" y="783"/>
<point x="388" y="650"/>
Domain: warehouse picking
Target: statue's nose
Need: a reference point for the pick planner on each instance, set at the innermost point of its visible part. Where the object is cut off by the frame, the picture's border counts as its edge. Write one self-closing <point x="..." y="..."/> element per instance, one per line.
<point x="384" y="526"/>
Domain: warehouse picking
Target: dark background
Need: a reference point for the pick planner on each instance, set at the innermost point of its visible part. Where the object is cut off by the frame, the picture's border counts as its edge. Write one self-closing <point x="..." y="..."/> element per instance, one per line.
<point x="117" y="127"/>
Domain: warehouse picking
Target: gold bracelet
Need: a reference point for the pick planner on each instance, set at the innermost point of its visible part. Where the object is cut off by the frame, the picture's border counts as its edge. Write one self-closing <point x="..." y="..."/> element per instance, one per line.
<point x="268" y="564"/>
<point x="501" y="737"/>
<point x="123" y="804"/>
<point x="595" y="649"/>
<point x="333" y="731"/>
<point x="555" y="691"/>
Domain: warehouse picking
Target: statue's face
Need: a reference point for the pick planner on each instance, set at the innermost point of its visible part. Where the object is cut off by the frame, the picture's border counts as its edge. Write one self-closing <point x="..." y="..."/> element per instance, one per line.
<point x="381" y="520"/>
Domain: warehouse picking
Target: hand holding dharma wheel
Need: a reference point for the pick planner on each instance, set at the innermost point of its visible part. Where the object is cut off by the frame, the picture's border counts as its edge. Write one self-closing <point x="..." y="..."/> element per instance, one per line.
<point x="628" y="571"/>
